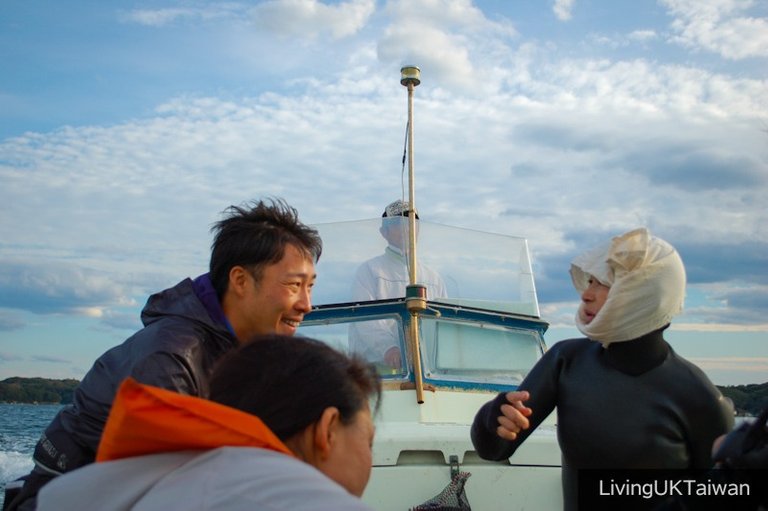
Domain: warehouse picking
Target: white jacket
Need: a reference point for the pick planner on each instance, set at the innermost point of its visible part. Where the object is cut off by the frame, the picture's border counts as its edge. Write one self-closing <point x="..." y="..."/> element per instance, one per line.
<point x="227" y="478"/>
<point x="386" y="276"/>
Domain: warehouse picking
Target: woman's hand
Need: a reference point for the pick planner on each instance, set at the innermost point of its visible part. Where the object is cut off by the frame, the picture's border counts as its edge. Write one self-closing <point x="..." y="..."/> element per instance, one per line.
<point x="514" y="415"/>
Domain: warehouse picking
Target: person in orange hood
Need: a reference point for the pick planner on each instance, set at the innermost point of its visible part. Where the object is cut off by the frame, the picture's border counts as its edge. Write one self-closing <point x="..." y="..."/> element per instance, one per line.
<point x="288" y="426"/>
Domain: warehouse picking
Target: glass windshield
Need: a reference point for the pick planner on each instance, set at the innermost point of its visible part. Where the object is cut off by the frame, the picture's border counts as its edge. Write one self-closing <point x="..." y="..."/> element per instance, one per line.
<point x="459" y="347"/>
<point x="464" y="351"/>
<point x="369" y="336"/>
<point x="362" y="261"/>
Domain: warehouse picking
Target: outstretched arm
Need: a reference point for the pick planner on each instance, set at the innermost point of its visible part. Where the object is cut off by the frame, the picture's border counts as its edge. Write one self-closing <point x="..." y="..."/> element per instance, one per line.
<point x="502" y="425"/>
<point x="497" y="427"/>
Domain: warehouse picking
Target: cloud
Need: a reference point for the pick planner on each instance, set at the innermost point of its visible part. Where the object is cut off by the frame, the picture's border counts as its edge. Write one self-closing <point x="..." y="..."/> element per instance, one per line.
<point x="740" y="304"/>
<point x="719" y="27"/>
<point x="726" y="260"/>
<point x="642" y="35"/>
<point x="453" y="15"/>
<point x="162" y="17"/>
<point x="6" y="357"/>
<point x="50" y="360"/>
<point x="701" y="168"/>
<point x="740" y="364"/>
<point x="719" y="327"/>
<point x="620" y="41"/>
<point x="311" y="18"/>
<point x="58" y="288"/>
<point x="10" y="321"/>
<point x="449" y="40"/>
<point x="444" y="56"/>
<point x="563" y="9"/>
<point x="121" y="321"/>
<point x="566" y="152"/>
<point x="200" y="144"/>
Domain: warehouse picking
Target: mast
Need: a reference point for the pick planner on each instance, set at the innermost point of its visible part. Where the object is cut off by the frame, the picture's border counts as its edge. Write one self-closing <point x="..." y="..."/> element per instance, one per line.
<point x="415" y="294"/>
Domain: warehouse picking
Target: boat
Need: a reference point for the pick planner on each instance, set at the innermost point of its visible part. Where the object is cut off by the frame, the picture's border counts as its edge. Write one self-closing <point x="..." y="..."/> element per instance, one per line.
<point x="457" y="352"/>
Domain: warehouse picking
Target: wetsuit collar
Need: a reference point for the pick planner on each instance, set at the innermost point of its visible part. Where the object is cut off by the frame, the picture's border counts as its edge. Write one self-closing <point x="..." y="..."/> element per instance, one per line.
<point x="639" y="355"/>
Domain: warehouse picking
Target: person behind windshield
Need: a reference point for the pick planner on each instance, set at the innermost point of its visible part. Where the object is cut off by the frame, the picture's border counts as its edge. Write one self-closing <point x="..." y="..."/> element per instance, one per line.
<point x="288" y="427"/>
<point x="386" y="276"/>
<point x="624" y="398"/>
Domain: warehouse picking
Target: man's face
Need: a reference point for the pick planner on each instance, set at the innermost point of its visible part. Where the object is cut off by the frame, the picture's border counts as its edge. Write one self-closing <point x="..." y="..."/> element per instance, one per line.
<point x="278" y="302"/>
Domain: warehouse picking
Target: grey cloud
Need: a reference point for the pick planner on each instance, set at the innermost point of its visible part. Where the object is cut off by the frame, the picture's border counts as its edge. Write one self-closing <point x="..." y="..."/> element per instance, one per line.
<point x="121" y="321"/>
<point x="684" y="166"/>
<point x="50" y="360"/>
<point x="553" y="283"/>
<point x="697" y="169"/>
<point x="561" y="136"/>
<point x="723" y="262"/>
<point x="528" y="212"/>
<point x="743" y="305"/>
<point x="57" y="287"/>
<point x="755" y="298"/>
<point x="10" y="322"/>
<point x="9" y="357"/>
<point x="726" y="315"/>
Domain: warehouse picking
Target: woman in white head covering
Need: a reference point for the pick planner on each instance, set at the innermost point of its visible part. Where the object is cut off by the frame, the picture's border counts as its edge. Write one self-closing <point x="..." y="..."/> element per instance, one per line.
<point x="643" y="280"/>
<point x="624" y="398"/>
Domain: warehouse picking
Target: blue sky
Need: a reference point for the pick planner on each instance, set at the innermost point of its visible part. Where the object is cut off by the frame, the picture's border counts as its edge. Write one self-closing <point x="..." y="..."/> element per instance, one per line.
<point x="126" y="128"/>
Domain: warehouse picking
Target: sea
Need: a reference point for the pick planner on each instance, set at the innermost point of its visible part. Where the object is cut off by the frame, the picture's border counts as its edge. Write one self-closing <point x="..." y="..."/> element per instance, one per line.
<point x="20" y="428"/>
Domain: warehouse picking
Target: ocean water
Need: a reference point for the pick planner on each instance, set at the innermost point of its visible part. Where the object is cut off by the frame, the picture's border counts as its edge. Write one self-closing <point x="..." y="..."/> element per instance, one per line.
<point x="20" y="428"/>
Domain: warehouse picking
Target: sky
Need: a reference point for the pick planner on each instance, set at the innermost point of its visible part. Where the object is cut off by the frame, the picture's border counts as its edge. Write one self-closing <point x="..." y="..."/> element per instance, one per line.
<point x="126" y="128"/>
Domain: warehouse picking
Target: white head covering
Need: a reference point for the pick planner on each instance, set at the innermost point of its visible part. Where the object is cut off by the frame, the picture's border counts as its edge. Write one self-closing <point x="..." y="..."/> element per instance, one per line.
<point x="647" y="286"/>
<point x="397" y="208"/>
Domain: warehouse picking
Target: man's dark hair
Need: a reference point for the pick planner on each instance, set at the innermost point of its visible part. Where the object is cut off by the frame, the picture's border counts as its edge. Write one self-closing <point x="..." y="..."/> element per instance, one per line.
<point x="255" y="236"/>
<point x="289" y="381"/>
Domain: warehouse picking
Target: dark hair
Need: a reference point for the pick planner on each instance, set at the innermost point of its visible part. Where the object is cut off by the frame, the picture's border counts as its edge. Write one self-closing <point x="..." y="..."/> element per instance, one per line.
<point x="254" y="236"/>
<point x="289" y="381"/>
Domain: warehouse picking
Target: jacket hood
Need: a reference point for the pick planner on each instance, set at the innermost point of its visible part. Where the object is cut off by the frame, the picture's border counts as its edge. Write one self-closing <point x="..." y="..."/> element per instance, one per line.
<point x="149" y="420"/>
<point x="179" y="300"/>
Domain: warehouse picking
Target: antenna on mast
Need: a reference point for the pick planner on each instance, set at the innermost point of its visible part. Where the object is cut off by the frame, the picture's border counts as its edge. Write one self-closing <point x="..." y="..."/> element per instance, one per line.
<point x="415" y="294"/>
<point x="410" y="77"/>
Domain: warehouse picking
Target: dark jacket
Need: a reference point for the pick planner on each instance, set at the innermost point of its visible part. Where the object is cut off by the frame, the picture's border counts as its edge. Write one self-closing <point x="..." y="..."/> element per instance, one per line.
<point x="176" y="350"/>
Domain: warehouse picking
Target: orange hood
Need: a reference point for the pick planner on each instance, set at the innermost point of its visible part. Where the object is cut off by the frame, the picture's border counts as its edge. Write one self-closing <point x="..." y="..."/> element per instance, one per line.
<point x="151" y="420"/>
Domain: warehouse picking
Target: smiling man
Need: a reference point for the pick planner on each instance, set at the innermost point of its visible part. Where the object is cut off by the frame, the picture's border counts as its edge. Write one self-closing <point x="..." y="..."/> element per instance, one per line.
<point x="262" y="270"/>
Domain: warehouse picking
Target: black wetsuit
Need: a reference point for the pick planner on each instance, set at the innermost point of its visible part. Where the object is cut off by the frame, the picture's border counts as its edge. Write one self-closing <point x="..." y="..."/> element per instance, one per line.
<point x="634" y="405"/>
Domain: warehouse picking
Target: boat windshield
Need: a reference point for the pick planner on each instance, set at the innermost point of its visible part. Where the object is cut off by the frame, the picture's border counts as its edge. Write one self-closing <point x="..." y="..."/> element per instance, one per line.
<point x="481" y="327"/>
<point x="473" y="268"/>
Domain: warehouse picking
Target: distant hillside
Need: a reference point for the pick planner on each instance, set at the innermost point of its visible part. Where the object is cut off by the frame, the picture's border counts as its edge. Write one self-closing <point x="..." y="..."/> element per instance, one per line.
<point x="37" y="390"/>
<point x="748" y="399"/>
